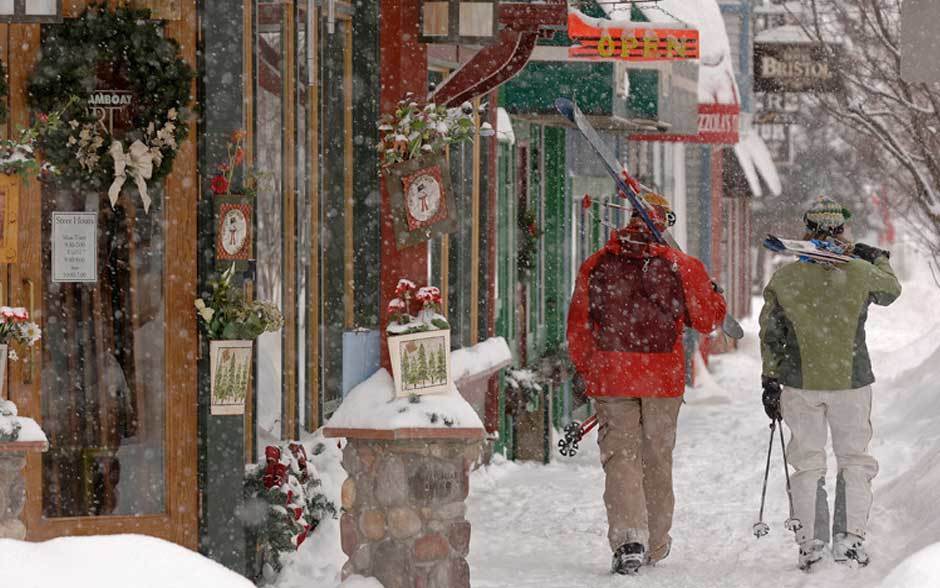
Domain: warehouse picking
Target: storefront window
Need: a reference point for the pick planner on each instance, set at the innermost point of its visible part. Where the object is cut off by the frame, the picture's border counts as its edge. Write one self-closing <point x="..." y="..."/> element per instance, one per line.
<point x="103" y="394"/>
<point x="269" y="158"/>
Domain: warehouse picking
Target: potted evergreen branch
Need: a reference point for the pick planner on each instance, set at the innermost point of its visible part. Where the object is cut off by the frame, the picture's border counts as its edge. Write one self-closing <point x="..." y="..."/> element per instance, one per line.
<point x="232" y="324"/>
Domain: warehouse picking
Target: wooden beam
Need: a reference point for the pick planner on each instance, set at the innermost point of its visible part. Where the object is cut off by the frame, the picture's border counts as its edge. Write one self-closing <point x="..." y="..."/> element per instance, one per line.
<point x="404" y="69"/>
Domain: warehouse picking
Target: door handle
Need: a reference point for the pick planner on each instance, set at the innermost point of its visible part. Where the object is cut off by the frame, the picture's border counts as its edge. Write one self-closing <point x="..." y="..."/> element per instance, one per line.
<point x="31" y="289"/>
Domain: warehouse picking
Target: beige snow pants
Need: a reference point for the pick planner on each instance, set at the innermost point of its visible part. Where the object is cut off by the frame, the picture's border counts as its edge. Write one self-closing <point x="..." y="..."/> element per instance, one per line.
<point x="811" y="415"/>
<point x="636" y="438"/>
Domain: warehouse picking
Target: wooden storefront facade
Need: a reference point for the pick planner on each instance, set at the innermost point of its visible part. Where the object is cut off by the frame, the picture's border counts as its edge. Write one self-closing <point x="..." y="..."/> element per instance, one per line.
<point x="120" y="382"/>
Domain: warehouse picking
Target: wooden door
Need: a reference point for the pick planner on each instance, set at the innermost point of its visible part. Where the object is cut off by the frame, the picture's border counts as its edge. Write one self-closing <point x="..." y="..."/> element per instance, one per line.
<point x="113" y="381"/>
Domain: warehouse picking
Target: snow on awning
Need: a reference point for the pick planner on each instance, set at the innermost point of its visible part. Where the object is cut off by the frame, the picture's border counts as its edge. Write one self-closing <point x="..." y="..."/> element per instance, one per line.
<point x="504" y="132"/>
<point x="757" y="162"/>
<point x="716" y="83"/>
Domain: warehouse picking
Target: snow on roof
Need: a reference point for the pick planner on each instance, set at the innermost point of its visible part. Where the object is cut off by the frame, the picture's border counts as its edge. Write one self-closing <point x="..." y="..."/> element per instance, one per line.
<point x="371" y="405"/>
<point x="111" y="561"/>
<point x="755" y="159"/>
<point x="716" y="83"/>
<point x="504" y="132"/>
<point x="791" y="7"/>
<point x="783" y="34"/>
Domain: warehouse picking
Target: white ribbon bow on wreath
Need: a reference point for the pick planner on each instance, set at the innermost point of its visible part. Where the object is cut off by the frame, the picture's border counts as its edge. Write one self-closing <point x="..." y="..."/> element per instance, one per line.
<point x="138" y="163"/>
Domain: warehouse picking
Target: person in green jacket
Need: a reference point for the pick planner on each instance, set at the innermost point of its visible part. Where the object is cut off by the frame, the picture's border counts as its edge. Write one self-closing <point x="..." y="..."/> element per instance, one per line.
<point x="817" y="377"/>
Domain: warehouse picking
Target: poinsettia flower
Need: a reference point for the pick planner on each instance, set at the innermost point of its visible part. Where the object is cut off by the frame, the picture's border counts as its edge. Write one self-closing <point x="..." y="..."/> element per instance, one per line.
<point x="396" y="306"/>
<point x="428" y="295"/>
<point x="219" y="184"/>
<point x="405" y="286"/>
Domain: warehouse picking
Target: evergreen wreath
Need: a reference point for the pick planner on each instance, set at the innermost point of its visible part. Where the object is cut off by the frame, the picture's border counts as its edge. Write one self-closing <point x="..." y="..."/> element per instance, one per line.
<point x="81" y="149"/>
<point x="3" y="93"/>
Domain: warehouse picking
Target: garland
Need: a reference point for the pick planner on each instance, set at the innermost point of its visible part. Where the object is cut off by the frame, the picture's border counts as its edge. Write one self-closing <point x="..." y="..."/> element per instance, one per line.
<point x="3" y="93"/>
<point x="83" y="150"/>
<point x="528" y="245"/>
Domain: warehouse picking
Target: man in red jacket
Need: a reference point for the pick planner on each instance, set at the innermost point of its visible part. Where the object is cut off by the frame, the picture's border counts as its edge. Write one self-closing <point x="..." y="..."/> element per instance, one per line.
<point x="631" y="302"/>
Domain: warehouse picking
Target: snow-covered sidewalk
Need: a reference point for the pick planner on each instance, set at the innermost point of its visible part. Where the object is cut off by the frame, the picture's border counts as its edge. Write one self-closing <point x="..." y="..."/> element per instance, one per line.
<point x="545" y="526"/>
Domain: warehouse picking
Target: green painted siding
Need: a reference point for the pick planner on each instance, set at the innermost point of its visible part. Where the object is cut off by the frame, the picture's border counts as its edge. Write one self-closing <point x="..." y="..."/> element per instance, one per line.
<point x="534" y="90"/>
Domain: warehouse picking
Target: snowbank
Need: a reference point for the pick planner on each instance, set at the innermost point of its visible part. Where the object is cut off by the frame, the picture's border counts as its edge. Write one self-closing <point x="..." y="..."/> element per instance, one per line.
<point x="371" y="405"/>
<point x="920" y="569"/>
<point x="111" y="561"/>
<point x="320" y="558"/>
<point x="30" y="430"/>
<point x="480" y="358"/>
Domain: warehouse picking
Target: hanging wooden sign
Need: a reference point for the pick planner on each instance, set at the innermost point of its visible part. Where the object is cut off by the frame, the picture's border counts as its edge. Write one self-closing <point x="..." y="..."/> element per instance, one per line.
<point x="610" y="40"/>
<point x="234" y="229"/>
<point x="795" y="67"/>
<point x="9" y="209"/>
<point x="421" y="197"/>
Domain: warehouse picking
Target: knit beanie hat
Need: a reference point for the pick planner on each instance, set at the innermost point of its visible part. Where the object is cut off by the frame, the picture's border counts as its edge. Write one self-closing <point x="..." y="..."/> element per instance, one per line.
<point x="826" y="216"/>
<point x="659" y="210"/>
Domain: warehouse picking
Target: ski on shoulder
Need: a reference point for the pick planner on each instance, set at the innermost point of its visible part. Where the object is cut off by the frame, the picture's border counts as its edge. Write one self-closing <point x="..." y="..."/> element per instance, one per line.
<point x="816" y="251"/>
<point x="630" y="188"/>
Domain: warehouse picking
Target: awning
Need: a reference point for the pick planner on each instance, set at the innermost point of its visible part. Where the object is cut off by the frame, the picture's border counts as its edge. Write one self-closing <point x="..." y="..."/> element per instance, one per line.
<point x="521" y="25"/>
<point x="757" y="162"/>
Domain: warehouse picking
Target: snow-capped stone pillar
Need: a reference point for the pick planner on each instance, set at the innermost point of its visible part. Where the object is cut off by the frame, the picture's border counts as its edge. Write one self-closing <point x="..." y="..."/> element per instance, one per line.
<point x="404" y="512"/>
<point x="408" y="462"/>
<point x="13" y="486"/>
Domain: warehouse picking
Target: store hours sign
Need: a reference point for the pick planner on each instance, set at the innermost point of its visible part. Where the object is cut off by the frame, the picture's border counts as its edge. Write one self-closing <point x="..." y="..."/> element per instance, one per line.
<point x="74" y="246"/>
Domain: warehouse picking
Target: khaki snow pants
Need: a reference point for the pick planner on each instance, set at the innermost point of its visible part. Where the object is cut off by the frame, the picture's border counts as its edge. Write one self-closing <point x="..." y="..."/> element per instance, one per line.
<point x="811" y="415"/>
<point x="636" y="438"/>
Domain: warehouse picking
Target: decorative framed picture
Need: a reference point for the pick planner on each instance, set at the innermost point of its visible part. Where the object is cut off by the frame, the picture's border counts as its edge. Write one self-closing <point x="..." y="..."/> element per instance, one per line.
<point x="230" y="376"/>
<point x="9" y="209"/>
<point x="234" y="239"/>
<point x="420" y="362"/>
<point x="420" y="195"/>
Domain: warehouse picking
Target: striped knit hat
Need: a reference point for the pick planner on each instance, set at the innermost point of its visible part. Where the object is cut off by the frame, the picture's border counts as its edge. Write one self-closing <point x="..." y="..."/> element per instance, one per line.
<point x="826" y="216"/>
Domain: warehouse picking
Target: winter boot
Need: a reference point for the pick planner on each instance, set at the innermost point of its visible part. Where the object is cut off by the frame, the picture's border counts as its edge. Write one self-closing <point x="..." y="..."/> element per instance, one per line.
<point x="628" y="558"/>
<point x="811" y="553"/>
<point x="649" y="555"/>
<point x="847" y="547"/>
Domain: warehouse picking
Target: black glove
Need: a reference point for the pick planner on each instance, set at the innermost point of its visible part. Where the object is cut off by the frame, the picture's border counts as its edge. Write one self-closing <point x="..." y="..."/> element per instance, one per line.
<point x="771" y="397"/>
<point x="869" y="253"/>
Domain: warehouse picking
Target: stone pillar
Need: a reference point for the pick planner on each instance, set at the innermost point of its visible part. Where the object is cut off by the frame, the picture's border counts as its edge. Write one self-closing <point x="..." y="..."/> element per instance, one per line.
<point x="12" y="490"/>
<point x="404" y="512"/>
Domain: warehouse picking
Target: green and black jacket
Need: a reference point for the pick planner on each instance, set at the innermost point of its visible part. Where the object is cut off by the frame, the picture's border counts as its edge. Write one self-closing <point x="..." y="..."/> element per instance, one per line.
<point x="812" y="326"/>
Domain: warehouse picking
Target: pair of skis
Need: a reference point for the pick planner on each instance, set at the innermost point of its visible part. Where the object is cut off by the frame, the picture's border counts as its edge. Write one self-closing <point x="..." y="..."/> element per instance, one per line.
<point x="630" y="189"/>
<point x="817" y="251"/>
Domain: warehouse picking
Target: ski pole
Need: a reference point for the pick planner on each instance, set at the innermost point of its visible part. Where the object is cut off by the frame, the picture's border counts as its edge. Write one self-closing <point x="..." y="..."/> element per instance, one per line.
<point x="792" y="523"/>
<point x="760" y="527"/>
<point x="574" y="432"/>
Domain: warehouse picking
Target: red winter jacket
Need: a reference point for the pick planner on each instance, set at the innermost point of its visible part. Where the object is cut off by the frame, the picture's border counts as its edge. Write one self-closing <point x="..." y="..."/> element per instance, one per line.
<point x="626" y="319"/>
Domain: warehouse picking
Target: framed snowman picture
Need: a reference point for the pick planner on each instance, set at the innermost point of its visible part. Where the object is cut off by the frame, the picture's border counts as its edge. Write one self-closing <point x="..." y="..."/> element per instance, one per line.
<point x="420" y="195"/>
<point x="233" y="233"/>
